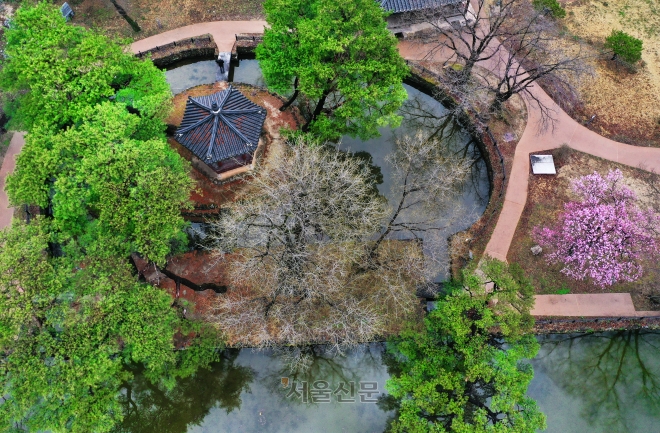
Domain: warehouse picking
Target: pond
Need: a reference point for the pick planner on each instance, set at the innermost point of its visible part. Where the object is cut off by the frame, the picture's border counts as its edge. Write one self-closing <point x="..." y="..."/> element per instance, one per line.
<point x="189" y="73"/>
<point x="420" y="113"/>
<point x="605" y="382"/>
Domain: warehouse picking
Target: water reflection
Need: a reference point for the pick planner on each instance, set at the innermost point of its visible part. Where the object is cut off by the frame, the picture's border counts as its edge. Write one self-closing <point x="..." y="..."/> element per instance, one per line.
<point x="423" y="113"/>
<point x="606" y="382"/>
<point x="186" y="75"/>
<point x="149" y="408"/>
<point x="244" y="393"/>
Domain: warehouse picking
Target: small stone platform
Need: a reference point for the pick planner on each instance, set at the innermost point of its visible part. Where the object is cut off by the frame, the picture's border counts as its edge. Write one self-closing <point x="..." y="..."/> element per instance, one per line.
<point x="588" y="305"/>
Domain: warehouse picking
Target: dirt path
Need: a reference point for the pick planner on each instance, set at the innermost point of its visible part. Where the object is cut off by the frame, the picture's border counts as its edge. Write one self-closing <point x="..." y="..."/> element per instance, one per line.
<point x="8" y="164"/>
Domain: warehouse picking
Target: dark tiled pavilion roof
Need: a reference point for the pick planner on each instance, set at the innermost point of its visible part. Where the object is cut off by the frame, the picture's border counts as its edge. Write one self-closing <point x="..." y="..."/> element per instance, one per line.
<point x="398" y="6"/>
<point x="221" y="126"/>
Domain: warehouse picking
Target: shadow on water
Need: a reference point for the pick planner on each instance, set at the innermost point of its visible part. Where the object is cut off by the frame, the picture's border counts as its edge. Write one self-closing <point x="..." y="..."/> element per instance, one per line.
<point x="597" y="383"/>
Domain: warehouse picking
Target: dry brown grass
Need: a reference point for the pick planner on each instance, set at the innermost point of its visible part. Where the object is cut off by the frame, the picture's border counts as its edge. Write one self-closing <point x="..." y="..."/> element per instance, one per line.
<point x="158" y="16"/>
<point x="627" y="104"/>
<point x="547" y="195"/>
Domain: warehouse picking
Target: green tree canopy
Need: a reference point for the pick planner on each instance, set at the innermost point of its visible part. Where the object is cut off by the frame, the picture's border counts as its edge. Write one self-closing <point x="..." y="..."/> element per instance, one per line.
<point x="465" y="373"/>
<point x="67" y="327"/>
<point x="341" y="57"/>
<point x="108" y="189"/>
<point x="56" y="70"/>
<point x="627" y="47"/>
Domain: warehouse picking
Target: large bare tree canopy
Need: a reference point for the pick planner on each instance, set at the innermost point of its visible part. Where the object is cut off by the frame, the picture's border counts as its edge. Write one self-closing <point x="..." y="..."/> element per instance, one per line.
<point x="314" y="249"/>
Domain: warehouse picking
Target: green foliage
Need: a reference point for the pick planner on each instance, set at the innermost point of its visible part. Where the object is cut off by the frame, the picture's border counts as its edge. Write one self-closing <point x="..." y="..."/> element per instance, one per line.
<point x="460" y="375"/>
<point x="114" y="193"/>
<point x="345" y="62"/>
<point x="624" y="46"/>
<point x="56" y="70"/>
<point x="556" y="10"/>
<point x="67" y="329"/>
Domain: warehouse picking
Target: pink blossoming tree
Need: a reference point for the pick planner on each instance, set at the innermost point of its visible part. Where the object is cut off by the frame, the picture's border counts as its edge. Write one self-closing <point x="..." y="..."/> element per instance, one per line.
<point x="605" y="236"/>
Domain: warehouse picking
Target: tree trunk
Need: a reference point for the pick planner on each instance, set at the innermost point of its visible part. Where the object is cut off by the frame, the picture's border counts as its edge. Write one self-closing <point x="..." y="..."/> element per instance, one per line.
<point x="293" y="97"/>
<point x="500" y="98"/>
<point x="316" y="112"/>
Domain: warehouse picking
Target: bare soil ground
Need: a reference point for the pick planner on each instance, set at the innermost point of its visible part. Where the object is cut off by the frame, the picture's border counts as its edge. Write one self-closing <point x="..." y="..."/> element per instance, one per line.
<point x="547" y="195"/>
<point x="159" y="16"/>
<point x="626" y="102"/>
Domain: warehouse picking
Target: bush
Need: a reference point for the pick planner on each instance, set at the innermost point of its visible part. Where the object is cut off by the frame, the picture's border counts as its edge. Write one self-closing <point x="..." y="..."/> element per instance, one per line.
<point x="552" y="5"/>
<point x="624" y="46"/>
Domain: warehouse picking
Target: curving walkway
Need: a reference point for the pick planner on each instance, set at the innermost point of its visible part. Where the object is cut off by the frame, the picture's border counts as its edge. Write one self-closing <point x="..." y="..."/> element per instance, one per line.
<point x="565" y="131"/>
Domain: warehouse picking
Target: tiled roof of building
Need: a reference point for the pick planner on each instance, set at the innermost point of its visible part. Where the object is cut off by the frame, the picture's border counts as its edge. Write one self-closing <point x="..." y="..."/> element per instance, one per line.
<point x="221" y="126"/>
<point x="397" y="6"/>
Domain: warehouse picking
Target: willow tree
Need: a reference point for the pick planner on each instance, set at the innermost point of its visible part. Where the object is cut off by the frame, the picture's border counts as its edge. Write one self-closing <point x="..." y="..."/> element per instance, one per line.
<point x="340" y="61"/>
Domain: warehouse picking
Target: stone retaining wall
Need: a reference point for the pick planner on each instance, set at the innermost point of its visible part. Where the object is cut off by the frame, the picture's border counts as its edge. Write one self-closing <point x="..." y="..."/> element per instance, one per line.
<point x="199" y="46"/>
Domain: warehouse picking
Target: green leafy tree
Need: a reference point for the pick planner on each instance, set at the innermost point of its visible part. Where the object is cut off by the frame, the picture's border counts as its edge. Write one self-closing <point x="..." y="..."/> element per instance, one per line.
<point x="624" y="46"/>
<point x="553" y="6"/>
<point x="68" y="327"/>
<point x="465" y="372"/>
<point x="340" y="56"/>
<point x="114" y="193"/>
<point x="55" y="70"/>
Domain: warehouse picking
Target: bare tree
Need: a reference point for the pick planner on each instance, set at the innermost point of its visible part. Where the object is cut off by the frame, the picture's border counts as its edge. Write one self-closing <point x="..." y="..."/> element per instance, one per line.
<point x="469" y="31"/>
<point x="533" y="55"/>
<point x="315" y="253"/>
<point x="298" y="238"/>
<point x="426" y="176"/>
<point x="521" y="47"/>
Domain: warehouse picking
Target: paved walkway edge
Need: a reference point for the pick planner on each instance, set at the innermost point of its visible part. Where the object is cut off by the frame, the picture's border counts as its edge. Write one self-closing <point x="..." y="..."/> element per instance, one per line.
<point x="8" y="165"/>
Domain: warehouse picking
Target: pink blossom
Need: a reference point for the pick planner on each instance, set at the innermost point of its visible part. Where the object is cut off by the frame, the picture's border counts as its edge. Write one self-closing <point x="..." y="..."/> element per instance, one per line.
<point x="603" y="237"/>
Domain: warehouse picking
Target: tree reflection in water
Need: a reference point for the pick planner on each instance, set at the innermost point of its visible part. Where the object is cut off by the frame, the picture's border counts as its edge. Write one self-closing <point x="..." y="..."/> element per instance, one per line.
<point x="150" y="408"/>
<point x="420" y="112"/>
<point x="312" y="363"/>
<point x="614" y="375"/>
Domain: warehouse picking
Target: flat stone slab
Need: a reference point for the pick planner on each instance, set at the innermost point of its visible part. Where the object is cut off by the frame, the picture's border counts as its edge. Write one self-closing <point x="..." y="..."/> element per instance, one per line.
<point x="596" y="305"/>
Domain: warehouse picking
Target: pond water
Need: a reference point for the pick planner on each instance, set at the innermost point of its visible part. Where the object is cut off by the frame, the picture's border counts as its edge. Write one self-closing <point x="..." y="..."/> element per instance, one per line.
<point x="594" y="383"/>
<point x="605" y="382"/>
<point x="189" y="73"/>
<point x="419" y="112"/>
<point x="599" y="383"/>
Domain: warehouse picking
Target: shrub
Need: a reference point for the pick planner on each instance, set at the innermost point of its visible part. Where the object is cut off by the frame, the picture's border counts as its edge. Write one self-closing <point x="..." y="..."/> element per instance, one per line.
<point x="624" y="46"/>
<point x="551" y="5"/>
